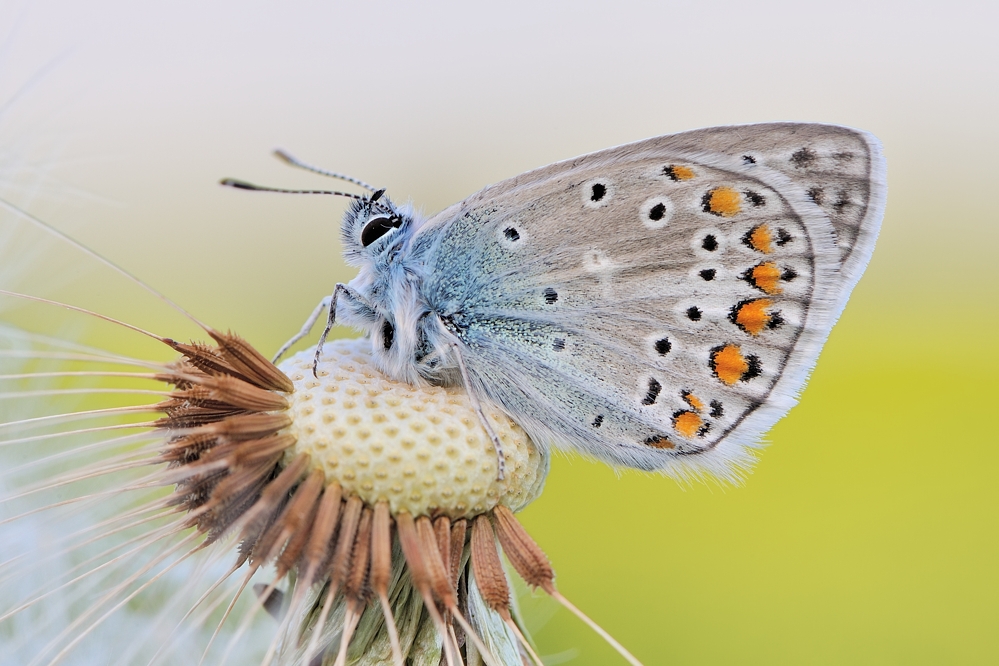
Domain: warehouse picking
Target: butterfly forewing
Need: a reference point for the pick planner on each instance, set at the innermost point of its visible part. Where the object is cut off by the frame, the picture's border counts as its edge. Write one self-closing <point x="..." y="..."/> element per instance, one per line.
<point x="657" y="305"/>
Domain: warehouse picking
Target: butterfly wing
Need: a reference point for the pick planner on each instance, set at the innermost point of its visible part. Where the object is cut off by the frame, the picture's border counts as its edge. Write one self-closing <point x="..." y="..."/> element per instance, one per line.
<point x="659" y="305"/>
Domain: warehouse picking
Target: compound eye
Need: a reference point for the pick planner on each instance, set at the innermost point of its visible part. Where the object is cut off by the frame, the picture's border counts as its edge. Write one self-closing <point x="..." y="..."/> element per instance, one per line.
<point x="378" y="226"/>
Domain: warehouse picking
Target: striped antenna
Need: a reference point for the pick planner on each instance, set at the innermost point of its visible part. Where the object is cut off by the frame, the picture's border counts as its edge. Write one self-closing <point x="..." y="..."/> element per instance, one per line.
<point x="295" y="162"/>
<point x="243" y="185"/>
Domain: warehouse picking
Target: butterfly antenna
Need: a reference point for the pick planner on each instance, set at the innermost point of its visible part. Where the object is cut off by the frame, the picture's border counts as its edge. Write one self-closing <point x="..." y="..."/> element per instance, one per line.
<point x="374" y="203"/>
<point x="295" y="162"/>
<point x="104" y="260"/>
<point x="243" y="185"/>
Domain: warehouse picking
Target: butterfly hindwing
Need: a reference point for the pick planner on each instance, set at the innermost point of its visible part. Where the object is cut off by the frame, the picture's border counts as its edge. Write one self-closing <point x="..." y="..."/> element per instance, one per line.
<point x="658" y="305"/>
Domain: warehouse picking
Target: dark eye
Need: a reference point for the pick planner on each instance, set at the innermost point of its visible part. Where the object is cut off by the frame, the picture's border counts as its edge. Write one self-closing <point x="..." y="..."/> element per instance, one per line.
<point x="377" y="227"/>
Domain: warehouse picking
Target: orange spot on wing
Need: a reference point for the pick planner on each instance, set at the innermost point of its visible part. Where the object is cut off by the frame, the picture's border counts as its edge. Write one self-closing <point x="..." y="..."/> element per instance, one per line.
<point x="760" y="239"/>
<point x="752" y="316"/>
<point x="692" y="400"/>
<point x="660" y="442"/>
<point x="687" y="423"/>
<point x="723" y="201"/>
<point x="766" y="277"/>
<point x="729" y="364"/>
<point x="681" y="172"/>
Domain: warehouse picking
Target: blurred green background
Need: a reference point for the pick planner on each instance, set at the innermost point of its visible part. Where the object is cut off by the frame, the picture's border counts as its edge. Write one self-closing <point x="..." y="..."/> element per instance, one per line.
<point x="868" y="532"/>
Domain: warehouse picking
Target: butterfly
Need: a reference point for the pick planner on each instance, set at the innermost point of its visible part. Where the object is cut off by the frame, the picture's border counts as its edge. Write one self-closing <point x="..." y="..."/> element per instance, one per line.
<point x="658" y="305"/>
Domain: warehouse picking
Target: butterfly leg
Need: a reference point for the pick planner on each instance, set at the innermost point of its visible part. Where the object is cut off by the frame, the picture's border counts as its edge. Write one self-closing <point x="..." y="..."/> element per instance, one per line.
<point x="306" y="327"/>
<point x="340" y="290"/>
<point x="477" y="406"/>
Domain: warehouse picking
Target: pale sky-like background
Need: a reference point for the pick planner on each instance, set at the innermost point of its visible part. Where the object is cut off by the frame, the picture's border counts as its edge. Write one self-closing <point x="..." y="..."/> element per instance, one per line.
<point x="125" y="115"/>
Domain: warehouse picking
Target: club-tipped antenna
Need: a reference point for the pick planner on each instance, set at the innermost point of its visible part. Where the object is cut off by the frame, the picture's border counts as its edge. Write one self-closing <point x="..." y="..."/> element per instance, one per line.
<point x="295" y="162"/>
<point x="243" y="185"/>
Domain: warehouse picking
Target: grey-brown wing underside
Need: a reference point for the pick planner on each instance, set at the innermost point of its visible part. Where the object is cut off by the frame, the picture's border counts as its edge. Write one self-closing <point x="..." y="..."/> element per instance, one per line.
<point x="659" y="305"/>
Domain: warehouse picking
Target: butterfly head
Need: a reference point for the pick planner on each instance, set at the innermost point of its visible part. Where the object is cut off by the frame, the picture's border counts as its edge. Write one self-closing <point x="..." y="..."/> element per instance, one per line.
<point x="374" y="227"/>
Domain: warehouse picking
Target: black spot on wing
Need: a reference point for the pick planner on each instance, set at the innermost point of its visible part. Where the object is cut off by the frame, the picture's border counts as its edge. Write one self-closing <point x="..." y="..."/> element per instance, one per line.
<point x="653" y="393"/>
<point x="512" y="234"/>
<point x="551" y="296"/>
<point x="663" y="346"/>
<point x="804" y="158"/>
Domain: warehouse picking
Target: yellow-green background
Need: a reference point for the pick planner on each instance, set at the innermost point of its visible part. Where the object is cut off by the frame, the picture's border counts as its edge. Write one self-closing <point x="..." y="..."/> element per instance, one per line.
<point x="868" y="532"/>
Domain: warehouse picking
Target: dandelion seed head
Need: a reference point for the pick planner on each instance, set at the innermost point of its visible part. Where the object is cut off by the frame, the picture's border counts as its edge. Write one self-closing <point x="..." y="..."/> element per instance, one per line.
<point x="367" y="513"/>
<point x="421" y="449"/>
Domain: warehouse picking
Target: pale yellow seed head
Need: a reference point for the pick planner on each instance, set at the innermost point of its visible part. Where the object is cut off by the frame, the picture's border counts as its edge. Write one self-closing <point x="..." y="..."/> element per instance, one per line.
<point x="422" y="449"/>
